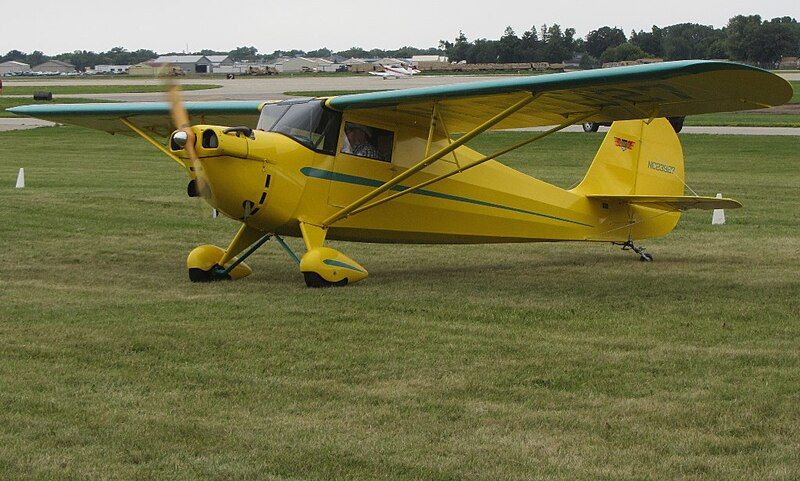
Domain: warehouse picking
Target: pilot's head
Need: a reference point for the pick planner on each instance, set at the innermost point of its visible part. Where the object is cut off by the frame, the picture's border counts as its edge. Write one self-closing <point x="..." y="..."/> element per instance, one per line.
<point x="356" y="134"/>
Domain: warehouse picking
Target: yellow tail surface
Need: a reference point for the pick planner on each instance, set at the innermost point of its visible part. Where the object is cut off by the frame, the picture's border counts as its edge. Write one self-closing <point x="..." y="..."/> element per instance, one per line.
<point x="638" y="159"/>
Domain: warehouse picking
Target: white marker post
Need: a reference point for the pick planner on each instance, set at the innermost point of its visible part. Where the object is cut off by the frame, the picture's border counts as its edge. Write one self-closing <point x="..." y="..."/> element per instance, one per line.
<point x="718" y="217"/>
<point x="21" y="179"/>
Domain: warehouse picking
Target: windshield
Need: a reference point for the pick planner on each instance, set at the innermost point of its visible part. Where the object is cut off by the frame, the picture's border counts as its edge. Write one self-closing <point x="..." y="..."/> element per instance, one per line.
<point x="307" y="122"/>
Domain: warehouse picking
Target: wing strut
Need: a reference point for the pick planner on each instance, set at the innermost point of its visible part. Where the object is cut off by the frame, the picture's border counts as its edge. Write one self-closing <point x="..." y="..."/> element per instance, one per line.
<point x="141" y="133"/>
<point x="473" y="164"/>
<point x="345" y="211"/>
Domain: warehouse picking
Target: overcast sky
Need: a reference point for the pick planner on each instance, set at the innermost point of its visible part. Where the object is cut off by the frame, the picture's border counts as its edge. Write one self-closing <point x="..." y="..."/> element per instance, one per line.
<point x="169" y="25"/>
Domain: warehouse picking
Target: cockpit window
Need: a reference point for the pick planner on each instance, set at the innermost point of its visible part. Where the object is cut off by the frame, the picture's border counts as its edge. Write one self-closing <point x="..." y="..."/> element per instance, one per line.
<point x="365" y="141"/>
<point x="308" y="122"/>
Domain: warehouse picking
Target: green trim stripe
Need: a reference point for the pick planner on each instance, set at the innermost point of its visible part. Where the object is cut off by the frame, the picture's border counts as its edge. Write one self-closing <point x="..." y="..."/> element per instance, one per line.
<point x="357" y="180"/>
<point x="343" y="265"/>
<point x="137" y="108"/>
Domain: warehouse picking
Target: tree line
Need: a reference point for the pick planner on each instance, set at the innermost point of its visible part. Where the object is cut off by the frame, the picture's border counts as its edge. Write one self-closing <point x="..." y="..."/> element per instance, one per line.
<point x="748" y="39"/>
<point x="745" y="39"/>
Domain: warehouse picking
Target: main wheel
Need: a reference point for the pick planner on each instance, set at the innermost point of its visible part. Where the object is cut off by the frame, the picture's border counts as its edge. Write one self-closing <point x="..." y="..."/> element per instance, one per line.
<point x="645" y="257"/>
<point x="591" y="127"/>
<point x="216" y="273"/>
<point x="315" y="280"/>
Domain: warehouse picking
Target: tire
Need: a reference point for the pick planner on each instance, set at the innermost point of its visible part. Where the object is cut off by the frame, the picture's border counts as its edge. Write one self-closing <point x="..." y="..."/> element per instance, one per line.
<point x="315" y="280"/>
<point x="677" y="123"/>
<point x="199" y="275"/>
<point x="591" y="127"/>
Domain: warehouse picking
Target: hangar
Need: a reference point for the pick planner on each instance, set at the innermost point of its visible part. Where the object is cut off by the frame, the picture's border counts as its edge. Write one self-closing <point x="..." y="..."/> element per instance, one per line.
<point x="54" y="66"/>
<point x="13" y="67"/>
<point x="220" y="61"/>
<point x="187" y="63"/>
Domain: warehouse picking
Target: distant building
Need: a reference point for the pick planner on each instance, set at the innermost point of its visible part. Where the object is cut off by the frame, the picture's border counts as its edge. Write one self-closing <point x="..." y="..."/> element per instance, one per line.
<point x="54" y="66"/>
<point x="112" y="69"/>
<point x="303" y="64"/>
<point x="789" y="63"/>
<point x="388" y="62"/>
<point x="152" y="69"/>
<point x="218" y="61"/>
<point x="187" y="63"/>
<point x="13" y="67"/>
<point x="336" y="59"/>
<point x="429" y="62"/>
<point x="429" y="58"/>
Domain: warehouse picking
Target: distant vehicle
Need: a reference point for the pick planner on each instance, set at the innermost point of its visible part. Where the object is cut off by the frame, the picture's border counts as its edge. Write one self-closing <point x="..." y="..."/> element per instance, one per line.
<point x="265" y="70"/>
<point x="676" y="122"/>
<point x="395" y="71"/>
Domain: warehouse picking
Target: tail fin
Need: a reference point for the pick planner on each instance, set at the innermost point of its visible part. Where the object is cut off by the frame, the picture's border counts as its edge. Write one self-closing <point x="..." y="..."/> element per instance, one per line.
<point x="636" y="158"/>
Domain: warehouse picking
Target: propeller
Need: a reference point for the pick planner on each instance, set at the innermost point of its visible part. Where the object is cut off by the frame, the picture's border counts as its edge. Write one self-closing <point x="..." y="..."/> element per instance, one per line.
<point x="180" y="119"/>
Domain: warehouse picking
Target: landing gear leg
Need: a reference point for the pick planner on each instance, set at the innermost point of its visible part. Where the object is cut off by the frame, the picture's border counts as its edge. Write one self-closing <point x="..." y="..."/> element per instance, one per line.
<point x="630" y="246"/>
<point x="323" y="266"/>
<point x="211" y="263"/>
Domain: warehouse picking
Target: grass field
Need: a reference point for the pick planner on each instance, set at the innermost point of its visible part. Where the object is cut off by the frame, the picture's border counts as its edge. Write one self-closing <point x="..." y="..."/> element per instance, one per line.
<point x="745" y="119"/>
<point x="99" y="89"/>
<point x="508" y="362"/>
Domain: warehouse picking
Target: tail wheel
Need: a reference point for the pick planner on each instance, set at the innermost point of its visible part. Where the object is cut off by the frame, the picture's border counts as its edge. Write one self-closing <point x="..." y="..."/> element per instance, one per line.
<point x="677" y="123"/>
<point x="591" y="127"/>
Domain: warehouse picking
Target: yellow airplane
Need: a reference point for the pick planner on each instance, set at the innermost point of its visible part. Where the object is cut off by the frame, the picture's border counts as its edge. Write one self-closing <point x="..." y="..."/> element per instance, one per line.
<point x="384" y="167"/>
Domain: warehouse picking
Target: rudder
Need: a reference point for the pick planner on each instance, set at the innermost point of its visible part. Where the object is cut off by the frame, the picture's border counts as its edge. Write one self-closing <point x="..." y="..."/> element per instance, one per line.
<point x="637" y="158"/>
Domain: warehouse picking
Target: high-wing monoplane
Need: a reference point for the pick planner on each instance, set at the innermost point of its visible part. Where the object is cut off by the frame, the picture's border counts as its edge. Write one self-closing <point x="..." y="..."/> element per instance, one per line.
<point x="386" y="166"/>
<point x="395" y="72"/>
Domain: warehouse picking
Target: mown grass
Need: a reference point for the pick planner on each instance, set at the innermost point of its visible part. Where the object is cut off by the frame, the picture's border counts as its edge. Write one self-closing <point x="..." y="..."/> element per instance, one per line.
<point x="744" y="119"/>
<point x="543" y="361"/>
<point x="99" y="89"/>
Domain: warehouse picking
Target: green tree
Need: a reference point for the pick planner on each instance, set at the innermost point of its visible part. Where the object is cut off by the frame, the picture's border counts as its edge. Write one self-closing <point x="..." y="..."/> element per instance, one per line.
<point x="626" y="51"/>
<point x="244" y="53"/>
<point x="740" y="36"/>
<point x="530" y="46"/>
<point x="774" y="39"/>
<point x="603" y="38"/>
<point x="691" y="41"/>
<point x="484" y="51"/>
<point x="650" y="42"/>
<point x="461" y="48"/>
<point x="509" y="46"/>
<point x="320" y="53"/>
<point x="559" y="46"/>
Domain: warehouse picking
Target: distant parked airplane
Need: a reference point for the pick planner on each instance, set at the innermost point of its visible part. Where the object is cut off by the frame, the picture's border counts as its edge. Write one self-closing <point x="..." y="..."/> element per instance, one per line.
<point x="395" y="71"/>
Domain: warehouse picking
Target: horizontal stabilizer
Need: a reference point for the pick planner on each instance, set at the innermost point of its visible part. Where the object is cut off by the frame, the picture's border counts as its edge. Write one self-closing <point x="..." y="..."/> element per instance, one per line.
<point x="672" y="203"/>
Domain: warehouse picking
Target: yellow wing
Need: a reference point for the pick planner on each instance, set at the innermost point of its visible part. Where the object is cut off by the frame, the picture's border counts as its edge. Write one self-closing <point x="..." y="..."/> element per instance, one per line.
<point x="640" y="92"/>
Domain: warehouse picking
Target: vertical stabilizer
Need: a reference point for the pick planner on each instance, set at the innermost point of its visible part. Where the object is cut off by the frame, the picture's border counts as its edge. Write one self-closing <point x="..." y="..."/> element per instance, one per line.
<point x="637" y="158"/>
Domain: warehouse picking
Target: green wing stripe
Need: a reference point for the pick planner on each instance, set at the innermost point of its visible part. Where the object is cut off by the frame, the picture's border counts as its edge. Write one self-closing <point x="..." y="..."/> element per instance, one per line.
<point x="357" y="180"/>
<point x="344" y="265"/>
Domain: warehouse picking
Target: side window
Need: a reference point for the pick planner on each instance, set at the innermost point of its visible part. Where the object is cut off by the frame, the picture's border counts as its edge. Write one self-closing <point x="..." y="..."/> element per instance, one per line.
<point x="365" y="141"/>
